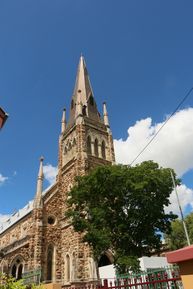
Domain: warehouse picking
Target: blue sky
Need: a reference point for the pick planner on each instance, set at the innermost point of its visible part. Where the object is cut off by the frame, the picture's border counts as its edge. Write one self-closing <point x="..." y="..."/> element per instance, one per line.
<point x="139" y="56"/>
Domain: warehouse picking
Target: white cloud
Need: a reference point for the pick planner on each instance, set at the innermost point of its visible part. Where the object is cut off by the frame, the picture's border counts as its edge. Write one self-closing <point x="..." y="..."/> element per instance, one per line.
<point x="2" y="179"/>
<point x="186" y="199"/>
<point x="173" y="147"/>
<point x="3" y="218"/>
<point x="50" y="173"/>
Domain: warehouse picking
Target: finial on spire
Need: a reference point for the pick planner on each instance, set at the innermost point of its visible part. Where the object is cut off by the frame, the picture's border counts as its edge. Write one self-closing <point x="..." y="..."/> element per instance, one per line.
<point x="105" y="115"/>
<point x="63" y="125"/>
<point x="38" y="196"/>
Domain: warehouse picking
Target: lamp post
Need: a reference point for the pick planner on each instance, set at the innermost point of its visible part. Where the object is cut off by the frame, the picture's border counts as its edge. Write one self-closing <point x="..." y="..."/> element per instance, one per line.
<point x="181" y="213"/>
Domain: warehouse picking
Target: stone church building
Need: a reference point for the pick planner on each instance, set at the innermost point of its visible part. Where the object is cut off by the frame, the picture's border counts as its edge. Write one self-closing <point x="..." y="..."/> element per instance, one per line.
<point x="39" y="236"/>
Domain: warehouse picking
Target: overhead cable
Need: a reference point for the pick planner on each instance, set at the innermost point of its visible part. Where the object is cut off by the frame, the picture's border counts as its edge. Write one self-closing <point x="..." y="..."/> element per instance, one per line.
<point x="166" y="121"/>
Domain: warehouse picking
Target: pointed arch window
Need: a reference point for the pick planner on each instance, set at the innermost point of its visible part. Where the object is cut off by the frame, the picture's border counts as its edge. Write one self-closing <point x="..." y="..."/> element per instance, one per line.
<point x="96" y="147"/>
<point x="50" y="255"/>
<point x="89" y="145"/>
<point x="84" y="110"/>
<point x="73" y="276"/>
<point x="19" y="272"/>
<point x="91" y="100"/>
<point x="13" y="271"/>
<point x="103" y="151"/>
<point x="67" y="268"/>
<point x="17" y="268"/>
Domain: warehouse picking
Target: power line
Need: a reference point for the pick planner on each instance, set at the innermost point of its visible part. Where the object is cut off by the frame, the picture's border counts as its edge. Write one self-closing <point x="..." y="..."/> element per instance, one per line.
<point x="176" y="109"/>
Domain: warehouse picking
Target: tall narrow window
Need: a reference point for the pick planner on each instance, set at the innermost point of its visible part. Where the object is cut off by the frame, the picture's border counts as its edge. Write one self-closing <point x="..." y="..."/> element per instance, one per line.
<point x="91" y="99"/>
<point x="20" y="271"/>
<point x="103" y="150"/>
<point x="84" y="110"/>
<point x="89" y="145"/>
<point x="13" y="271"/>
<point x="73" y="276"/>
<point x="67" y="268"/>
<point x="50" y="263"/>
<point x="96" y="149"/>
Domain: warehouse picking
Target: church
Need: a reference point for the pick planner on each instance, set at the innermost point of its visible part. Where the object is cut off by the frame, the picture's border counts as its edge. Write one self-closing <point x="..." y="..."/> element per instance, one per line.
<point x="38" y="236"/>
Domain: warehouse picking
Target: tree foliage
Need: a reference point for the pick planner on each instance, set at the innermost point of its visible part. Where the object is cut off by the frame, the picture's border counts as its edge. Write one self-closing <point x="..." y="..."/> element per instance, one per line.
<point x="122" y="208"/>
<point x="8" y="282"/>
<point x="176" y="239"/>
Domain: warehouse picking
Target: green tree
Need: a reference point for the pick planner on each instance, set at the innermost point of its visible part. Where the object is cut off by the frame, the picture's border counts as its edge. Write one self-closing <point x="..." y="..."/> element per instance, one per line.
<point x="7" y="282"/>
<point x="122" y="208"/>
<point x="176" y="239"/>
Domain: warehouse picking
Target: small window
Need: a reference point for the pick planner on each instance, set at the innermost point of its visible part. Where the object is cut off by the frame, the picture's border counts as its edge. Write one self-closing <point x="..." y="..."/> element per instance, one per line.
<point x="91" y="100"/>
<point x="96" y="150"/>
<point x="84" y="110"/>
<point x="67" y="268"/>
<point x="72" y="104"/>
<point x="51" y="220"/>
<point x="65" y="150"/>
<point x="103" y="150"/>
<point x="69" y="146"/>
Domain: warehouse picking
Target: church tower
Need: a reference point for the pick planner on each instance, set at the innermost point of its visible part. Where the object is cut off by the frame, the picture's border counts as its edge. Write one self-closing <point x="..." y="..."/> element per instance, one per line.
<point x="85" y="142"/>
<point x="86" y="139"/>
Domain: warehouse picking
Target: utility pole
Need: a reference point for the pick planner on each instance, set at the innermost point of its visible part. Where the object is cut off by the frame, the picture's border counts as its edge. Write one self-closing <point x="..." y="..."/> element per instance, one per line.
<point x="181" y="213"/>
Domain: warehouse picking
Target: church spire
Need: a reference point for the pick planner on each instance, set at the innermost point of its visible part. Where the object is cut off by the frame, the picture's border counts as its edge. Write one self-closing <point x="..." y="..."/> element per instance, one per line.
<point x="63" y="122"/>
<point x="83" y="103"/>
<point x="38" y="196"/>
<point x="105" y="115"/>
<point x="82" y="84"/>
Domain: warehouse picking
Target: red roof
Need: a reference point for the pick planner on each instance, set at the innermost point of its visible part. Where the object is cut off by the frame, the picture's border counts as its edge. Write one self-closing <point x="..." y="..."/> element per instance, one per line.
<point x="180" y="255"/>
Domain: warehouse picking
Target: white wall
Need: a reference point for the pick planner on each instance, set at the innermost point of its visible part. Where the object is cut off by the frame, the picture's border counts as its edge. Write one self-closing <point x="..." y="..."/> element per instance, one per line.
<point x="108" y="272"/>
<point x="152" y="262"/>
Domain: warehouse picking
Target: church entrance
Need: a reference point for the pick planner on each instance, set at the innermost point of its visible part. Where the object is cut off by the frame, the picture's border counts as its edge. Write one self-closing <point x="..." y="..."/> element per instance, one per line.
<point x="104" y="261"/>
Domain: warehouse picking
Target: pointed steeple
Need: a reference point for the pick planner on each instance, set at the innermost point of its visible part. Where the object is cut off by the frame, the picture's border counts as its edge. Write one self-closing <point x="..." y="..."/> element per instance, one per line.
<point x="38" y="196"/>
<point x="105" y="115"/>
<point x="82" y="84"/>
<point x="83" y="103"/>
<point x="63" y="122"/>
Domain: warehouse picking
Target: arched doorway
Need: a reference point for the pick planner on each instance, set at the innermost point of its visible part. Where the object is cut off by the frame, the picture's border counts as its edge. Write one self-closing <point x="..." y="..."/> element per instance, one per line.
<point x="104" y="261"/>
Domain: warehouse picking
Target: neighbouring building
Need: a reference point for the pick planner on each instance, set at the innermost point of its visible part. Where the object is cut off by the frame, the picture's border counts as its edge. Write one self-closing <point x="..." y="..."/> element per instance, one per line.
<point x="39" y="236"/>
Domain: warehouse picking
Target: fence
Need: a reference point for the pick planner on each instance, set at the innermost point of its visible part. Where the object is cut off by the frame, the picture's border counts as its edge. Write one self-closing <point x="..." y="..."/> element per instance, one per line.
<point x="163" y="278"/>
<point x="32" y="277"/>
